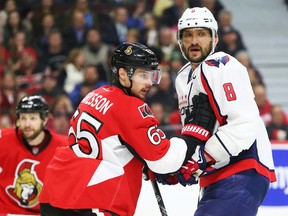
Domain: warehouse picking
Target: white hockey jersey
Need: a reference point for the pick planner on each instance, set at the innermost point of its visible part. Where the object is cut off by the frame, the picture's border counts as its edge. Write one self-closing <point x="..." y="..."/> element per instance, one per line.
<point x="240" y="140"/>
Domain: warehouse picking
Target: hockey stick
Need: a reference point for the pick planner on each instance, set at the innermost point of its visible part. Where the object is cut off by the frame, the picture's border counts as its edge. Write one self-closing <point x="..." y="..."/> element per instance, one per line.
<point x="159" y="199"/>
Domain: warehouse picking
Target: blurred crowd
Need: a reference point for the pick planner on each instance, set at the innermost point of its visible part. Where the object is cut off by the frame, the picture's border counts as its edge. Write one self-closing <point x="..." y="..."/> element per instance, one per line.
<point x="61" y="49"/>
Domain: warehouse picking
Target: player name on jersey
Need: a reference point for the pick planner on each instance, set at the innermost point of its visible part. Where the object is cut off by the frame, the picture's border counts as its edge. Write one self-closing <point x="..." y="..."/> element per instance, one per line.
<point x="98" y="102"/>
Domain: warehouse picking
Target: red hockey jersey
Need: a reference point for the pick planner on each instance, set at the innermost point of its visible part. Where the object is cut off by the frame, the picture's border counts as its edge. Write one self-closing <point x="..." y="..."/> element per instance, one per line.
<point x="22" y="173"/>
<point x="101" y="169"/>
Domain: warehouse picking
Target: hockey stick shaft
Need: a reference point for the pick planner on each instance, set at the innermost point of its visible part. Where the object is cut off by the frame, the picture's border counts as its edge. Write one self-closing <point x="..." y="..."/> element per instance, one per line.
<point x="159" y="198"/>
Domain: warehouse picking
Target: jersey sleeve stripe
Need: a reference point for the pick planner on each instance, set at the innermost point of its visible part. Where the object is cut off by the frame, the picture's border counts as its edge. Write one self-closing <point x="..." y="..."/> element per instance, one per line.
<point x="216" y="148"/>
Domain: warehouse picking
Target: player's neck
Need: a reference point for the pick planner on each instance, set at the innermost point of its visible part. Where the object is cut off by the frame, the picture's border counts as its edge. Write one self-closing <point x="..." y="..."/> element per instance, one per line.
<point x="194" y="66"/>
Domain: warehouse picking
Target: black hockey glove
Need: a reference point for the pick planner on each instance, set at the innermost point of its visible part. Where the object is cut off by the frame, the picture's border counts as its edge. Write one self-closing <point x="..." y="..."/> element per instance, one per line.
<point x="165" y="179"/>
<point x="198" y="124"/>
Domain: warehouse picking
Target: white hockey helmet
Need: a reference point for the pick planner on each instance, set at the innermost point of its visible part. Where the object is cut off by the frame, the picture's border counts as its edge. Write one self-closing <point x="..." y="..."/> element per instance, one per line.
<point x="197" y="17"/>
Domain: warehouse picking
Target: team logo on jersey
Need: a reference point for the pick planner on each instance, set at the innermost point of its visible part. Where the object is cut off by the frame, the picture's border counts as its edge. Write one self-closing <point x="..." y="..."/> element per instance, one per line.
<point x="145" y="111"/>
<point x="128" y="50"/>
<point x="26" y="187"/>
<point x="216" y="62"/>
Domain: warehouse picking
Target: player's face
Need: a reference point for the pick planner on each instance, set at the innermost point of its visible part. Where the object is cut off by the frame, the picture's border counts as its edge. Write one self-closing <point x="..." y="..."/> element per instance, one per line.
<point x="31" y="125"/>
<point x="197" y="44"/>
<point x="142" y="81"/>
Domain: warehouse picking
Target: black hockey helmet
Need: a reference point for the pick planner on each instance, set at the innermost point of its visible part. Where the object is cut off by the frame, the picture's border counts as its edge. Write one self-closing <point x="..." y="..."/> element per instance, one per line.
<point x="33" y="104"/>
<point x="132" y="56"/>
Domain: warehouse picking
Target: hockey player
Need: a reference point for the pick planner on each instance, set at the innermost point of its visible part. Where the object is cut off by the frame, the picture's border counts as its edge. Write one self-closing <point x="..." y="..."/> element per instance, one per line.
<point x="238" y="155"/>
<point x="24" y="154"/>
<point x="113" y="134"/>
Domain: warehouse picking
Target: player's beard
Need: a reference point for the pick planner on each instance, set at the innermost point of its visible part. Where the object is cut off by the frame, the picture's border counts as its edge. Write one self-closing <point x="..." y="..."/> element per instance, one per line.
<point x="204" y="53"/>
<point x="34" y="135"/>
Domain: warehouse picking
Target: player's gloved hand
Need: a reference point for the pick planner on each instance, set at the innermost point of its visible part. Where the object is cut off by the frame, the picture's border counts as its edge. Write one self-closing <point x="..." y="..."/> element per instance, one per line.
<point x="198" y="124"/>
<point x="167" y="179"/>
<point x="193" y="168"/>
<point x="147" y="174"/>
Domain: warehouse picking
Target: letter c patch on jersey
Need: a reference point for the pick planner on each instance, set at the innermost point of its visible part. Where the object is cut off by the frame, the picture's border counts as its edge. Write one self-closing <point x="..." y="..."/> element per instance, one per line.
<point x="145" y="111"/>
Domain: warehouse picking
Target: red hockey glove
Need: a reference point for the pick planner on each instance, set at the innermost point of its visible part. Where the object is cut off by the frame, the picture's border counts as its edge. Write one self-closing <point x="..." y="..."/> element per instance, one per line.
<point x="193" y="168"/>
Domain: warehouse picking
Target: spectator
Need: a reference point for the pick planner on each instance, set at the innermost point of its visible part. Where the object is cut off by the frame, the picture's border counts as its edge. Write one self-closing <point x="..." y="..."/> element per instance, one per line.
<point x="91" y="81"/>
<point x="278" y="127"/>
<point x="114" y="33"/>
<point x="4" y="56"/>
<point x="30" y="73"/>
<point x="6" y="119"/>
<point x="19" y="43"/>
<point x="96" y="52"/>
<point x="230" y="38"/>
<point x="160" y="6"/>
<point x="8" y="94"/>
<point x="61" y="110"/>
<point x="230" y="42"/>
<point x="49" y="89"/>
<point x="43" y="31"/>
<point x="90" y="17"/>
<point x="13" y="25"/>
<point x="44" y="8"/>
<point x="176" y="62"/>
<point x="25" y="158"/>
<point x="75" y="33"/>
<point x="55" y="55"/>
<point x="263" y="103"/>
<point x="159" y="111"/>
<point x="171" y="14"/>
<point x="135" y="20"/>
<point x="149" y="34"/>
<point x="10" y="5"/>
<point x="72" y="72"/>
<point x="166" y="46"/>
<point x="132" y="35"/>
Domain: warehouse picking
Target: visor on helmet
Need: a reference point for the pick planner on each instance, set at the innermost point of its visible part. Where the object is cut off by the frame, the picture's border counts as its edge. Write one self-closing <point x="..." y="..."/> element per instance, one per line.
<point x="144" y="75"/>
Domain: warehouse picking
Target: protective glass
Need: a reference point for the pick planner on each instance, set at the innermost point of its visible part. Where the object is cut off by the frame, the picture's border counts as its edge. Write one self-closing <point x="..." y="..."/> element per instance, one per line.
<point x="147" y="76"/>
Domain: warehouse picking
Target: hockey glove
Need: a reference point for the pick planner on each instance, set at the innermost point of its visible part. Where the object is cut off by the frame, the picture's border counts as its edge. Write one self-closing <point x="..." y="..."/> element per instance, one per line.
<point x="167" y="179"/>
<point x="147" y="174"/>
<point x="193" y="168"/>
<point x="198" y="124"/>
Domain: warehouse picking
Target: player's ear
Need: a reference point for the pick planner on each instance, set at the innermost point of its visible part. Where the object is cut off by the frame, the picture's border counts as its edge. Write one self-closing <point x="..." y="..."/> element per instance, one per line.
<point x="122" y="73"/>
<point x="45" y="121"/>
<point x="216" y="39"/>
<point x="123" y="77"/>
